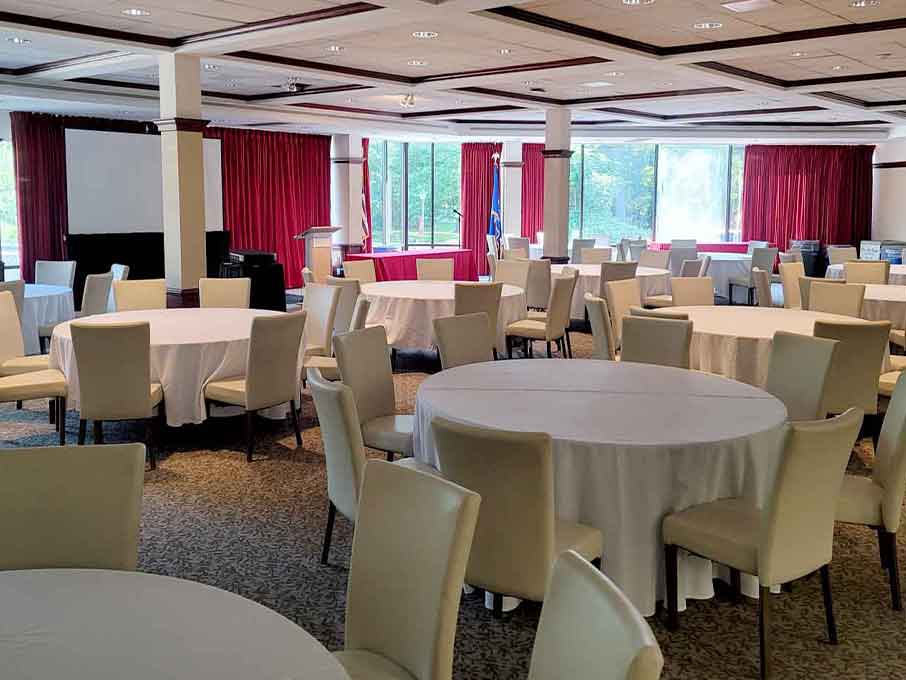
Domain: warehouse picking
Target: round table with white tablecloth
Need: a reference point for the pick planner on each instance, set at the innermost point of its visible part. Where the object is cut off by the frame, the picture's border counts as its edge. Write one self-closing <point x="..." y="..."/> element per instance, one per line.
<point x="95" y="624"/>
<point x="407" y="309"/>
<point x="189" y="348"/>
<point x="652" y="281"/>
<point x="726" y="266"/>
<point x="44" y="305"/>
<point x="885" y="303"/>
<point x="897" y="273"/>
<point x="736" y="341"/>
<point x="631" y="443"/>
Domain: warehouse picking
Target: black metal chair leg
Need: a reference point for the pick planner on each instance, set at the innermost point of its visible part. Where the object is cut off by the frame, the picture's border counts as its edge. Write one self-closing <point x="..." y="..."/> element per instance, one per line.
<point x="549" y="355"/>
<point x="736" y="585"/>
<point x="390" y="456"/>
<point x="882" y="547"/>
<point x="764" y="625"/>
<point x="83" y="428"/>
<point x="149" y="443"/>
<point x="249" y="435"/>
<point x="328" y="530"/>
<point x="98" y="432"/>
<point x="890" y="538"/>
<point x="497" y="611"/>
<point x="828" y="605"/>
<point x="51" y="411"/>
<point x="294" y="411"/>
<point x="19" y="405"/>
<point x="509" y="347"/>
<point x="730" y="286"/>
<point x="671" y="560"/>
<point x="61" y="419"/>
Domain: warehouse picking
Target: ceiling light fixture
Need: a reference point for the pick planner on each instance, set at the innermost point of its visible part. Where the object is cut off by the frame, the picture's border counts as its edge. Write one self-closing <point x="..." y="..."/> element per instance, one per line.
<point x="859" y="4"/>
<point x="136" y="12"/>
<point x="417" y="62"/>
<point x="335" y="48"/>
<point x="16" y="40"/>
<point x="424" y="35"/>
<point x="798" y="54"/>
<point x="529" y="83"/>
<point x="597" y="83"/>
<point x="408" y="101"/>
<point x="614" y="74"/>
<point x="707" y="25"/>
<point x="210" y="67"/>
<point x="504" y="51"/>
<point x="748" y="5"/>
<point x="837" y="67"/>
<point x="637" y="3"/>
<point x="232" y="83"/>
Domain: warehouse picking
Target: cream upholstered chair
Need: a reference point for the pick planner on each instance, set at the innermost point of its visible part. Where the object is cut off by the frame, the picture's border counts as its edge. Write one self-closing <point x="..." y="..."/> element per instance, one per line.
<point x="615" y="271"/>
<point x="647" y="340"/>
<point x="762" y="281"/>
<point x="798" y="371"/>
<point x="55" y="273"/>
<point x="517" y="242"/>
<point x="12" y="347"/>
<point x="805" y="284"/>
<point x="636" y="248"/>
<point x="790" y="537"/>
<point x="692" y="267"/>
<point x="308" y="276"/>
<point x="867" y="271"/>
<point x="792" y="255"/>
<point x="763" y="258"/>
<point x="492" y="264"/>
<point x="841" y="254"/>
<point x="621" y="295"/>
<point x="328" y="365"/>
<point x="68" y="508"/>
<point x="550" y="329"/>
<point x="120" y="272"/>
<point x="473" y="298"/>
<point x="657" y="259"/>
<point x="877" y="501"/>
<point x="538" y="287"/>
<point x="401" y="621"/>
<point x="698" y="291"/>
<point x="678" y="256"/>
<point x="114" y="365"/>
<point x="689" y="269"/>
<point x="434" y="269"/>
<point x="513" y="272"/>
<point x="845" y="299"/>
<point x="17" y="288"/>
<point x="350" y="289"/>
<point x="463" y="339"/>
<point x="578" y="247"/>
<point x="363" y="358"/>
<point x="683" y="243"/>
<point x="140" y="294"/>
<point x="363" y="270"/>
<point x="320" y="305"/>
<point x="590" y="629"/>
<point x="790" y="274"/>
<point x="596" y="255"/>
<point x="271" y="377"/>
<point x="755" y="245"/>
<point x="96" y="295"/>
<point x="705" y="265"/>
<point x="541" y="314"/>
<point x="658" y="313"/>
<point x="518" y="536"/>
<point x="601" y="328"/>
<point x="515" y="253"/>
<point x="225" y="293"/>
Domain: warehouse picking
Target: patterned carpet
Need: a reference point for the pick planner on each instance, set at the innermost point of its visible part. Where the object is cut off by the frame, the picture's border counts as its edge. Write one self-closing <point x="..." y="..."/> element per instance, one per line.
<point x="256" y="530"/>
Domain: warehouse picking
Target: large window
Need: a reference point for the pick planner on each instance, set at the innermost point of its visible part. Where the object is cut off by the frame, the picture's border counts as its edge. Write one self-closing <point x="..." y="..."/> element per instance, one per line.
<point x="692" y="191"/>
<point x="9" y="223"/>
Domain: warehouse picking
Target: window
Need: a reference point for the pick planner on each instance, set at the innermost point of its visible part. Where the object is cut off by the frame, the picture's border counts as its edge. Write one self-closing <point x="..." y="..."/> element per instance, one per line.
<point x="618" y="190"/>
<point x="737" y="163"/>
<point x="420" y="194"/>
<point x="9" y="222"/>
<point x="377" y="181"/>
<point x="447" y="162"/>
<point x="393" y="217"/>
<point x="692" y="191"/>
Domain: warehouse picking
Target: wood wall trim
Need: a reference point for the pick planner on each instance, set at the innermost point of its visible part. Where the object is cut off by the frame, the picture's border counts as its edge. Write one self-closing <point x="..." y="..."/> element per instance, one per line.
<point x="557" y="153"/>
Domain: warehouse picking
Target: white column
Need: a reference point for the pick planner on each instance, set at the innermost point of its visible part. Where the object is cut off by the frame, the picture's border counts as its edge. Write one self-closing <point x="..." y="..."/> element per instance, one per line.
<point x="511" y="189"/>
<point x="556" y="182"/>
<point x="346" y="188"/>
<point x="889" y="188"/>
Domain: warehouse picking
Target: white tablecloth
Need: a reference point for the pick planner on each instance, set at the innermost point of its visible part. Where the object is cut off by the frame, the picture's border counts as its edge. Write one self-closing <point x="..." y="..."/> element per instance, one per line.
<point x="44" y="305"/>
<point x="725" y="266"/>
<point x="652" y="281"/>
<point x="407" y="310"/>
<point x="736" y="341"/>
<point x="897" y="273"/>
<point x="631" y="443"/>
<point x="189" y="348"/>
<point x="83" y="624"/>
<point x="885" y="303"/>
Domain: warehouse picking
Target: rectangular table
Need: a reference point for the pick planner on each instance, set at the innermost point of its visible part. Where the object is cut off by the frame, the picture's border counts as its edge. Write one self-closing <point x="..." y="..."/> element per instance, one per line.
<point x="399" y="265"/>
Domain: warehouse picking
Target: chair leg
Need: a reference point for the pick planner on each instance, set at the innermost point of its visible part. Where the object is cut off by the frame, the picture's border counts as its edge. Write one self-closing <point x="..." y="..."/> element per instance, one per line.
<point x="828" y="605"/>
<point x="83" y="429"/>
<point x="509" y="347"/>
<point x="98" y="432"/>
<point x="249" y="435"/>
<point x="890" y="538"/>
<point x="531" y="348"/>
<point x="61" y="419"/>
<point x="730" y="293"/>
<point x="569" y="345"/>
<point x="882" y="547"/>
<point x="19" y="405"/>
<point x="150" y="442"/>
<point x="671" y="559"/>
<point x="390" y="456"/>
<point x="764" y="624"/>
<point x="736" y="585"/>
<point x="549" y="355"/>
<point x="294" y="412"/>
<point x="497" y="611"/>
<point x="51" y="412"/>
<point x="328" y="530"/>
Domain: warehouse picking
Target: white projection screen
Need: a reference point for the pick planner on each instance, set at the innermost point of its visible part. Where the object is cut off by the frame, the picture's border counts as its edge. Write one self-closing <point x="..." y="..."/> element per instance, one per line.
<point x="113" y="183"/>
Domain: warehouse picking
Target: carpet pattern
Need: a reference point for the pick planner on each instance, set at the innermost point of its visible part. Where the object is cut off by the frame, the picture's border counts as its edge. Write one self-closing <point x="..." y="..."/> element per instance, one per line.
<point x="256" y="530"/>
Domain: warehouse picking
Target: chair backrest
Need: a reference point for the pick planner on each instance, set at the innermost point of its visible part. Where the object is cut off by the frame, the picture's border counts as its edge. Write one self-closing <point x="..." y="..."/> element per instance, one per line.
<point x="596" y="255"/>
<point x="518" y="242"/>
<point x="580" y="244"/>
<point x="363" y="359"/>
<point x="341" y="434"/>
<point x="225" y="293"/>
<point x="435" y="269"/>
<point x="513" y="272"/>
<point x="538" y="289"/>
<point x="17" y="289"/>
<point x="320" y="303"/>
<point x="683" y="243"/>
<point x="762" y="281"/>
<point x="359" y="313"/>
<point x="636" y="248"/>
<point x="790" y="273"/>
<point x="590" y="629"/>
<point x="790" y="256"/>
<point x="11" y="343"/>
<point x="693" y="291"/>
<point x="798" y="371"/>
<point x="658" y="313"/>
<point x="797" y="532"/>
<point x="560" y="302"/>
<point x="513" y="472"/>
<point x="805" y="284"/>
<point x="843" y="299"/>
<point x="97" y="293"/>
<point x="463" y="339"/>
<point x="120" y="273"/>
<point x="492" y="264"/>
<point x="272" y="371"/>
<point x="615" y="271"/>
<point x="515" y="253"/>
<point x="890" y="457"/>
<point x="55" y="273"/>
<point x="841" y="254"/>
<point x="763" y="259"/>
<point x="753" y="245"/>
<point x="853" y="379"/>
<point x="691" y="267"/>
<point x="71" y="507"/>
<point x="308" y="276"/>
<point x="130" y="295"/>
<point x="648" y="340"/>
<point x="492" y="244"/>
<point x="349" y="294"/>
<point x="621" y="295"/>
<point x="867" y="271"/>
<point x="114" y="365"/>
<point x="677" y="255"/>
<point x="657" y="259"/>
<point x="706" y="265"/>
<point x="473" y="298"/>
<point x="601" y="328"/>
<point x="409" y="615"/>
<point x="623" y="250"/>
<point x="363" y="270"/>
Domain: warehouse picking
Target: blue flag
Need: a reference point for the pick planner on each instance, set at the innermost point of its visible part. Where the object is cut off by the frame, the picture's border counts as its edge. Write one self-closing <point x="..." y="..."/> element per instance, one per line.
<point x="494" y="223"/>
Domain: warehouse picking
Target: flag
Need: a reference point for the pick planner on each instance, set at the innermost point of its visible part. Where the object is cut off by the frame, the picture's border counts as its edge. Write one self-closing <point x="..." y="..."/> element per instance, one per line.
<point x="366" y="228"/>
<point x="494" y="223"/>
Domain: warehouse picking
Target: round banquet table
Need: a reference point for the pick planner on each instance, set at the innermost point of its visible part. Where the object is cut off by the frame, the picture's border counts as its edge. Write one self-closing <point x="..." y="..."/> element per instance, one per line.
<point x="725" y="266"/>
<point x="93" y="624"/>
<point x="631" y="443"/>
<point x="652" y="281"/>
<point x="44" y="306"/>
<point x="736" y="341"/>
<point x="885" y="303"/>
<point x="897" y="273"/>
<point x="189" y="348"/>
<point x="407" y="309"/>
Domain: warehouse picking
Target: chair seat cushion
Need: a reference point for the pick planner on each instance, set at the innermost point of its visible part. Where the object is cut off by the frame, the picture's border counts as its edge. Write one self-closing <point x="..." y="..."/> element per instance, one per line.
<point x="36" y="362"/>
<point x="898" y="362"/>
<point x="362" y="665"/>
<point x="898" y="337"/>
<point x="326" y="365"/>
<point x="585" y="540"/>
<point x="725" y="531"/>
<point x="35" y="385"/>
<point x="389" y="433"/>
<point x="659" y="301"/>
<point x="535" y="315"/>
<point x="860" y="501"/>
<point x="230" y="391"/>
<point x="887" y="382"/>
<point x="743" y="281"/>
<point x="528" y="328"/>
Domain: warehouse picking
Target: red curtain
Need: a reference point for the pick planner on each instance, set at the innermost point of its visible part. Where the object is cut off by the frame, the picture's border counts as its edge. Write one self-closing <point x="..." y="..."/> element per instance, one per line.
<point x="477" y="177"/>
<point x="366" y="197"/>
<point x="532" y="190"/>
<point x="275" y="185"/>
<point x="807" y="192"/>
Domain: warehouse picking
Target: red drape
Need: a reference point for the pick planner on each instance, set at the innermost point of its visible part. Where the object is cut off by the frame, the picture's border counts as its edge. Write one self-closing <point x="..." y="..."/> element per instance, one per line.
<point x="807" y="192"/>
<point x="532" y="190"/>
<point x="477" y="181"/>
<point x="366" y="198"/>
<point x="275" y="185"/>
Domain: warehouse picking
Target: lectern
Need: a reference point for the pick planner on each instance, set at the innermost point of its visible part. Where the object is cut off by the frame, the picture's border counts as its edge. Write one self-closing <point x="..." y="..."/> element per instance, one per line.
<point x="317" y="250"/>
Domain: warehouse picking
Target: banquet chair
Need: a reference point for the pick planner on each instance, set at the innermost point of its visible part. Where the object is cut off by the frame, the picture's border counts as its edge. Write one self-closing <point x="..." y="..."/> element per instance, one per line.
<point x="601" y="328"/>
<point x="552" y="328"/>
<point x="308" y="276"/>
<point x="96" y="295"/>
<point x="636" y="248"/>
<point x="463" y="339"/>
<point x="473" y="298"/>
<point x="363" y="358"/>
<point x="655" y="259"/>
<point x="658" y="313"/>
<point x="224" y="293"/>
<point x="683" y="243"/>
<point x="790" y="274"/>
<point x="363" y="270"/>
<point x="843" y="299"/>
<point x="327" y="365"/>
<point x="492" y="265"/>
<point x="515" y="253"/>
<point x="621" y="295"/>
<point x="125" y="393"/>
<point x="678" y="255"/>
<point x="789" y="537"/>
<point x="513" y="272"/>
<point x="17" y="288"/>
<point x="867" y="271"/>
<point x="320" y="305"/>
<point x="538" y="286"/>
<point x="841" y="254"/>
<point x="589" y="629"/>
<point x="435" y="269"/>
<point x="755" y="245"/>
<point x="762" y="258"/>
<point x="55" y="273"/>
<point x="762" y="281"/>
<point x="12" y="347"/>
<point x="140" y="294"/>
<point x="540" y="314"/>
<point x="705" y="265"/>
<point x="805" y="285"/>
<point x="517" y="242"/>
<point x="578" y="247"/>
<point x="120" y="273"/>
<point x="797" y="373"/>
<point x="692" y="291"/>
<point x="665" y="342"/>
<point x="350" y="289"/>
<point x="518" y="536"/>
<point x="68" y="508"/>
<point x="877" y="501"/>
<point x="792" y="255"/>
<point x="690" y="269"/>
<point x="409" y="554"/>
<point x="596" y="255"/>
<point x="615" y="271"/>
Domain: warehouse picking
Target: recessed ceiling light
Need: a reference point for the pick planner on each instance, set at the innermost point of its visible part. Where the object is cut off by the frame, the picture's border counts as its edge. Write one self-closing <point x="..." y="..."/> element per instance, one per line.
<point x="529" y="83"/>
<point x="16" y="40"/>
<point x="210" y="67"/>
<point x="408" y="101"/>
<point x="424" y="35"/>
<point x="747" y="5"/>
<point x="335" y="48"/>
<point x="706" y="25"/>
<point x="460" y="102"/>
<point x="837" y="67"/>
<point x="349" y="100"/>
<point x="232" y="83"/>
<point x="614" y="74"/>
<point x="136" y="12"/>
<point x="797" y="54"/>
<point x="859" y="4"/>
<point x="417" y="62"/>
<point x="597" y="83"/>
<point x="504" y="51"/>
<point x="635" y="3"/>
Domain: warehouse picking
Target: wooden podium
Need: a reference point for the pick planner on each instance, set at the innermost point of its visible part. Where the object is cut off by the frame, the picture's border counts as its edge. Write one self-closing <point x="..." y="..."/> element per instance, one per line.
<point x="318" y="247"/>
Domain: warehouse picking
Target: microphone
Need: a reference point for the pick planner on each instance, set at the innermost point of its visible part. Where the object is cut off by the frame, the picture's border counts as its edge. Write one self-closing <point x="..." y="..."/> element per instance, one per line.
<point x="457" y="212"/>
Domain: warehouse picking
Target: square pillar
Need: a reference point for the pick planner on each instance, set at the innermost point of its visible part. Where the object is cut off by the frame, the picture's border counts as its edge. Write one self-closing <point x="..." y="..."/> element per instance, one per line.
<point x="511" y="181"/>
<point x="346" y="189"/>
<point x="556" y="182"/>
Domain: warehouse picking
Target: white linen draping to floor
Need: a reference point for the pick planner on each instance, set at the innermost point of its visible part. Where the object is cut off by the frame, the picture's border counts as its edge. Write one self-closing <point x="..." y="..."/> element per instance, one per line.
<point x="652" y="281"/>
<point x="44" y="306"/>
<point x="631" y="443"/>
<point x="725" y="266"/>
<point x="885" y="303"/>
<point x="897" y="273"/>
<point x="407" y="309"/>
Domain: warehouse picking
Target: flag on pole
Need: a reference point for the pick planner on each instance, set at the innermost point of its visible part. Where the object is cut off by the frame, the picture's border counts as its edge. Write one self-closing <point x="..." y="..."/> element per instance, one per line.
<point x="494" y="223"/>
<point x="366" y="228"/>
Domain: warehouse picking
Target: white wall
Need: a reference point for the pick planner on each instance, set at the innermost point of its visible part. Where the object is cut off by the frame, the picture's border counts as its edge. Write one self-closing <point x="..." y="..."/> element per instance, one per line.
<point x="889" y="187"/>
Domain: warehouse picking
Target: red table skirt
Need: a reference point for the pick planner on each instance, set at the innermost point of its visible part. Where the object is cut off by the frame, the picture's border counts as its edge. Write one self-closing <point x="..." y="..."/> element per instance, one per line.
<point x="723" y="247"/>
<point x="400" y="265"/>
